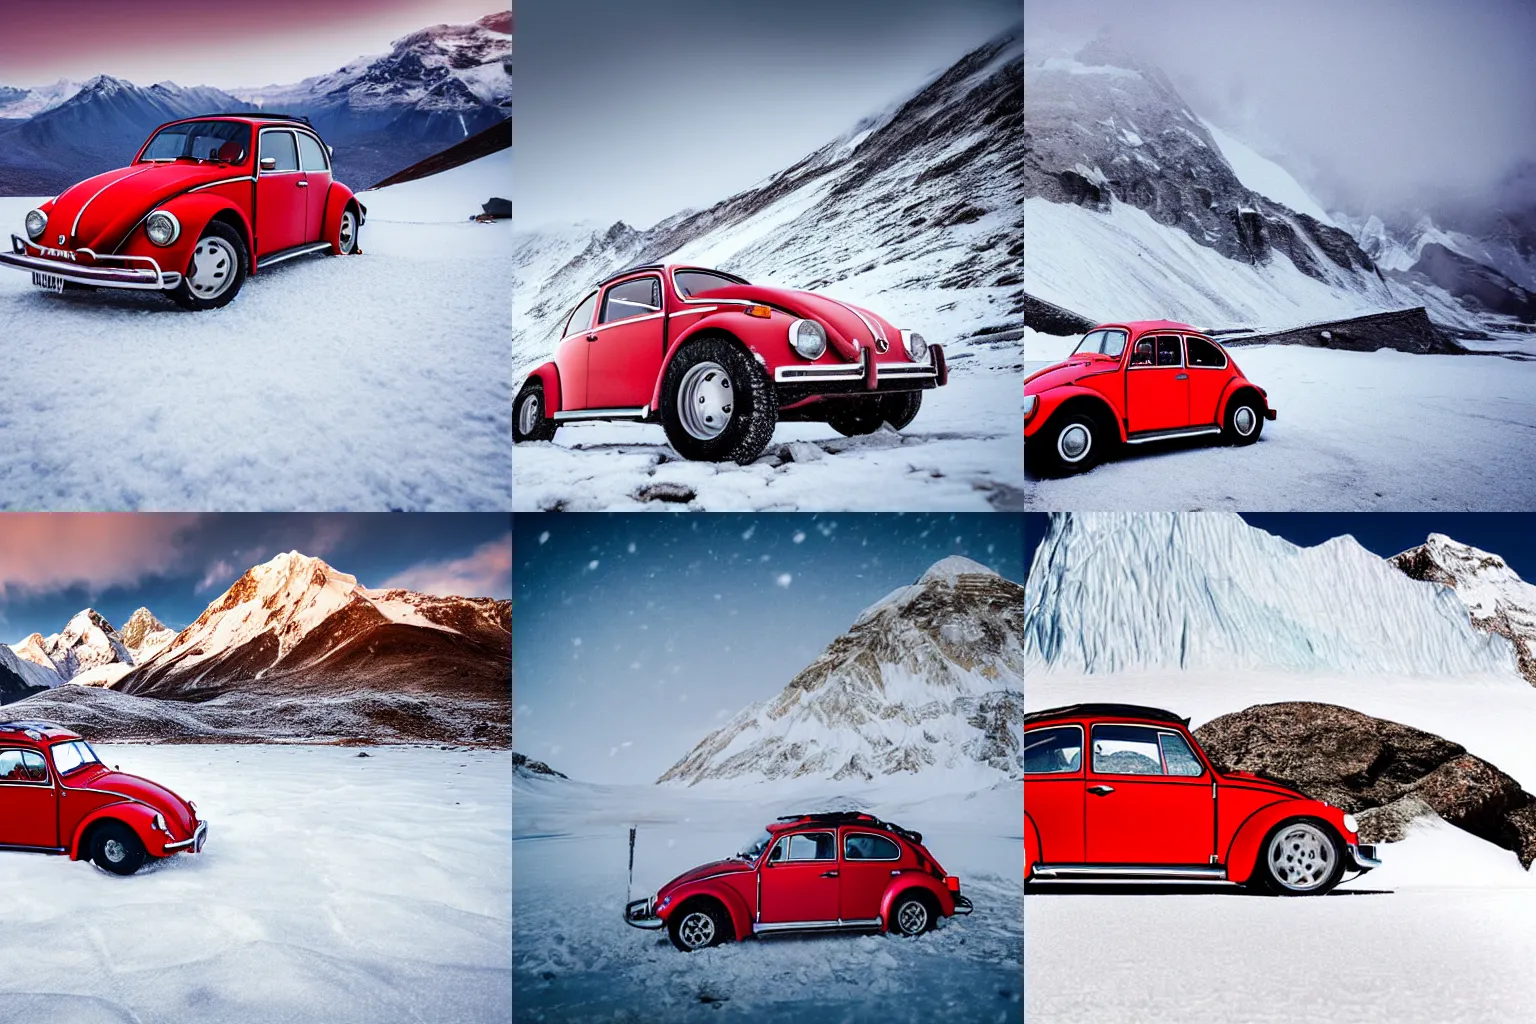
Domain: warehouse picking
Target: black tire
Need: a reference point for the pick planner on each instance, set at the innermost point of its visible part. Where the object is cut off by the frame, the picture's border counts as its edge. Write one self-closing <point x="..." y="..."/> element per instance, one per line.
<point x="913" y="913"/>
<point x="750" y="408"/>
<point x="901" y="407"/>
<point x="348" y="235"/>
<point x="1299" y="857"/>
<point x="116" y="848"/>
<point x="1060" y="448"/>
<point x="1232" y="428"/>
<point x="852" y="417"/>
<point x="528" y="420"/>
<point x="699" y="925"/>
<point x="222" y="288"/>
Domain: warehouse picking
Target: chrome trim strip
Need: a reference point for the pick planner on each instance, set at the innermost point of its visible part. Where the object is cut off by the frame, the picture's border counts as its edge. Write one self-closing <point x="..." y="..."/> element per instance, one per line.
<point x="288" y="254"/>
<point x="621" y="322"/>
<point x="637" y="413"/>
<point x="221" y="181"/>
<point x="76" y="226"/>
<point x="150" y="278"/>
<point x="1358" y="860"/>
<point x="1130" y="873"/>
<point x="1172" y="434"/>
<point x="692" y="312"/>
<point x="18" y="848"/>
<point x="807" y="926"/>
<point x="850" y="371"/>
<point x="874" y="332"/>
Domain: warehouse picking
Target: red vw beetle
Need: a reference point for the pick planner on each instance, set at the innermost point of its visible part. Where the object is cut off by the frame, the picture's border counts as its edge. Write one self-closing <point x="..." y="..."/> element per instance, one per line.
<point x="718" y="362"/>
<point x="807" y="872"/>
<point x="1147" y="805"/>
<point x="206" y="201"/>
<point x="57" y="797"/>
<point x="1149" y="380"/>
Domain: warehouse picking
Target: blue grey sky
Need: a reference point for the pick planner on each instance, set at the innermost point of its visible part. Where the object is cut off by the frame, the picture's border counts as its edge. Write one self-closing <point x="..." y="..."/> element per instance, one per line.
<point x="634" y="636"/>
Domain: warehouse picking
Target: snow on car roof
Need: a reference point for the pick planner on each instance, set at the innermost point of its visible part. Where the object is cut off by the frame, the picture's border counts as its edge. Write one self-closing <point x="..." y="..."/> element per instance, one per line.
<point x="50" y="729"/>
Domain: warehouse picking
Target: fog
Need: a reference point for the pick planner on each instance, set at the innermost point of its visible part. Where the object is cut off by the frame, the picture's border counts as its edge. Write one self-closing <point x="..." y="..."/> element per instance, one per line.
<point x="1375" y="105"/>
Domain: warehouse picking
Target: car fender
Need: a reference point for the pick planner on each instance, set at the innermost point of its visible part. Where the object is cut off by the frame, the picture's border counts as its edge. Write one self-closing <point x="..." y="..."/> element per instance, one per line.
<point x="1235" y="387"/>
<point x="741" y="916"/>
<point x="1243" y="852"/>
<point x="727" y="323"/>
<point x="336" y="200"/>
<point x="194" y="210"/>
<point x="1051" y="400"/>
<point x="548" y="375"/>
<point x="907" y="881"/>
<point x="137" y="816"/>
<point x="1031" y="845"/>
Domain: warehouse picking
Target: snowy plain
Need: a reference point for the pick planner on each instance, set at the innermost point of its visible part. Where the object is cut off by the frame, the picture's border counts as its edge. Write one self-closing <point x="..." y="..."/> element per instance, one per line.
<point x="374" y="382"/>
<point x="1357" y="431"/>
<point x="574" y="959"/>
<point x="332" y="888"/>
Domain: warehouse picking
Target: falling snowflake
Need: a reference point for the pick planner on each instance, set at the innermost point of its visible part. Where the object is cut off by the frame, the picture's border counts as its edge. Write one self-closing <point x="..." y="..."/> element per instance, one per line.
<point x="631" y="547"/>
<point x="747" y="534"/>
<point x="592" y="565"/>
<point x="543" y="536"/>
<point x="799" y="537"/>
<point x="784" y="579"/>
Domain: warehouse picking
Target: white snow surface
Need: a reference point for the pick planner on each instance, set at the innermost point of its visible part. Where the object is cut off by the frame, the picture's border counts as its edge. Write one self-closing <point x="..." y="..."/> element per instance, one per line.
<point x="332" y="888"/>
<point x="453" y="196"/>
<point x="373" y="382"/>
<point x="1266" y="177"/>
<point x="575" y="960"/>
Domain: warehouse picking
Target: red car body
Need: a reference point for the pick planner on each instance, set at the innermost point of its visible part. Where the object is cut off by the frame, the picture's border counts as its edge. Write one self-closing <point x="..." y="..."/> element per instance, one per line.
<point x="808" y="872"/>
<point x="261" y="183"/>
<point x="627" y="349"/>
<point x="57" y="797"/>
<point x="1148" y="805"/>
<point x="1136" y="382"/>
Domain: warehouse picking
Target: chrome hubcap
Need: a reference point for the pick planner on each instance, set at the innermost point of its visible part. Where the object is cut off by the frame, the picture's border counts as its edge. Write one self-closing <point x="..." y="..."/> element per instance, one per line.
<point x="1244" y="420"/>
<point x="1073" y="443"/>
<point x="114" y="851"/>
<point x="912" y="917"/>
<point x="1301" y="857"/>
<point x="705" y="401"/>
<point x="528" y="414"/>
<point x="213" y="268"/>
<point x="697" y="929"/>
<point x="348" y="232"/>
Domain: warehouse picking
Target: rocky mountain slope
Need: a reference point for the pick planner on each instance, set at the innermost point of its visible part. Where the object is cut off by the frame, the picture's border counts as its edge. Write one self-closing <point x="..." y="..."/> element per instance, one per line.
<point x="927" y="680"/>
<point x="1498" y="600"/>
<point x="1111" y="592"/>
<point x="915" y="208"/>
<point x="144" y="635"/>
<point x="20" y="677"/>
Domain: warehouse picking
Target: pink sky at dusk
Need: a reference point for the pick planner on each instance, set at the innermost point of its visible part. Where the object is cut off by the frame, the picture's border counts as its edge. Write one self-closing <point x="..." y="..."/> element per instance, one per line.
<point x="42" y="551"/>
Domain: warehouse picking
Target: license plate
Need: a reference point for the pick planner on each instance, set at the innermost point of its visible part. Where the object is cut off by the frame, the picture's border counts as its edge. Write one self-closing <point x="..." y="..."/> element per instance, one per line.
<point x="49" y="282"/>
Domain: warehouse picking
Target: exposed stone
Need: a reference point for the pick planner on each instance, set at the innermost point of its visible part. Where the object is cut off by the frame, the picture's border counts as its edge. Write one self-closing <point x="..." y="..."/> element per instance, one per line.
<point x="1406" y="330"/>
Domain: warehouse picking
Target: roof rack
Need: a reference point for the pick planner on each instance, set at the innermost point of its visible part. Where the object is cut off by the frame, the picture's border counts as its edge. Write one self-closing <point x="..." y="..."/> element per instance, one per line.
<point x="848" y="817"/>
<point x="265" y="115"/>
<point x="1096" y="710"/>
<point x="24" y="724"/>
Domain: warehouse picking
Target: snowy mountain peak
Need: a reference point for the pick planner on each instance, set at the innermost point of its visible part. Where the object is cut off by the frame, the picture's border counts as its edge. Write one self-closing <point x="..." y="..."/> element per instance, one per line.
<point x="953" y="567"/>
<point x="87" y="641"/>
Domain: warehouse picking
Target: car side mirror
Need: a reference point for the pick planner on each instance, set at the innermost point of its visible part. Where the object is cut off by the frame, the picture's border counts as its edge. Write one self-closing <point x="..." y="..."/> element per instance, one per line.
<point x="269" y="163"/>
<point x="331" y="150"/>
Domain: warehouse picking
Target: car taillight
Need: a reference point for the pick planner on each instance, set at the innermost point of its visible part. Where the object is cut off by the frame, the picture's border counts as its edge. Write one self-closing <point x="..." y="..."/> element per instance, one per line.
<point x="951" y="883"/>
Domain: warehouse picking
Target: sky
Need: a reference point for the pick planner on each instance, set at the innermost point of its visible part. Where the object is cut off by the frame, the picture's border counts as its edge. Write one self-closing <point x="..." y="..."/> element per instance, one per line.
<point x="1372" y="103"/>
<point x="195" y="42"/>
<point x="1510" y="535"/>
<point x="636" y="636"/>
<point x="52" y="565"/>
<point x="677" y="104"/>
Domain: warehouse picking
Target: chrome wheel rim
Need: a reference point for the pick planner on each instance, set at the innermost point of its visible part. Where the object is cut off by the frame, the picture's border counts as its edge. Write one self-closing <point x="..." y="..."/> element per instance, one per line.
<point x="912" y="917"/>
<point x="1244" y="420"/>
<point x="1074" y="443"/>
<point x="1301" y="858"/>
<point x="697" y="929"/>
<point x="114" y="851"/>
<point x="347" y="234"/>
<point x="705" y="401"/>
<point x="213" y="267"/>
<point x="528" y="414"/>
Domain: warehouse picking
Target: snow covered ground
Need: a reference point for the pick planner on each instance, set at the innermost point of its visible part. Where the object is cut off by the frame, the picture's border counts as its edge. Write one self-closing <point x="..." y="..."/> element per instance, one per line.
<point x="370" y="383"/>
<point x="1357" y="431"/>
<point x="333" y="888"/>
<point x="574" y="959"/>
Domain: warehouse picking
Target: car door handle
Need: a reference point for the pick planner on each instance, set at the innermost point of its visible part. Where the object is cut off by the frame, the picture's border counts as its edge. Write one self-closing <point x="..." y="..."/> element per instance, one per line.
<point x="829" y="874"/>
<point x="1182" y="376"/>
<point x="1101" y="790"/>
<point x="303" y="184"/>
<point x="592" y="337"/>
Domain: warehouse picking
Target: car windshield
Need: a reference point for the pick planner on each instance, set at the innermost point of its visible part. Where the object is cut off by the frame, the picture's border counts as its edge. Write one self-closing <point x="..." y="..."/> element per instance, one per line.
<point x="692" y="282"/>
<point x="754" y="849"/>
<point x="1101" y="343"/>
<point x="75" y="754"/>
<point x="220" y="142"/>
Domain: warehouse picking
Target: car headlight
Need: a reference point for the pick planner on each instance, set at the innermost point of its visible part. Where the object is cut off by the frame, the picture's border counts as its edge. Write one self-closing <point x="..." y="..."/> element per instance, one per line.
<point x="1030" y="401"/>
<point x="158" y="821"/>
<point x="37" y="223"/>
<point x="808" y="338"/>
<point x="162" y="227"/>
<point x="917" y="348"/>
<point x="1351" y="824"/>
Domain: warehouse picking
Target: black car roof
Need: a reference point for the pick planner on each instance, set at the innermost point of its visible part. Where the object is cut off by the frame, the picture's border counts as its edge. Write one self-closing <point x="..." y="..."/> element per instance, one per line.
<point x="1103" y="711"/>
<point x="850" y="818"/>
<point x="255" y="115"/>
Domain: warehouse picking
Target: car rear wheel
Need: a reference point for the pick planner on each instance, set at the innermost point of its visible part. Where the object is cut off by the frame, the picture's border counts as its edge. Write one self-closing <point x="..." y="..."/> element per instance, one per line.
<point x="717" y="403"/>
<point x="699" y="926"/>
<point x="1245" y="422"/>
<point x="912" y="914"/>
<point x="115" y="848"/>
<point x="1072" y="442"/>
<point x="1301" y="857"/>
<point x="866" y="415"/>
<point x="528" y="417"/>
<point x="216" y="271"/>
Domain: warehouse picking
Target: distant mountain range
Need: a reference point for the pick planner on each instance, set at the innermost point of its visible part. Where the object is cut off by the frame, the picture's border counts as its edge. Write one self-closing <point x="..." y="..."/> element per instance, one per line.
<point x="382" y="113"/>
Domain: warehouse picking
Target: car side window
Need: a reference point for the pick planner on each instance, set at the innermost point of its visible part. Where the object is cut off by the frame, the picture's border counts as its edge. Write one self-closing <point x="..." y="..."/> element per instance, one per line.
<point x="863" y="846"/>
<point x="803" y="846"/>
<point x="311" y="154"/>
<point x="692" y="282"/>
<point x="1178" y="759"/>
<point x="1170" y="351"/>
<point x="279" y="147"/>
<point x="1142" y="356"/>
<point x="632" y="298"/>
<point x="22" y="766"/>
<point x="1203" y="353"/>
<point x="1053" y="751"/>
<point x="581" y="316"/>
<point x="1126" y="750"/>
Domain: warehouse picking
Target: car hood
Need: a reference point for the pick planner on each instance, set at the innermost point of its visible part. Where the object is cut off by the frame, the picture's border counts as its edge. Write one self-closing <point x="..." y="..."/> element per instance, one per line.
<point x="847" y="323"/>
<point x="1066" y="373"/>
<point x="178" y="813"/>
<point x="110" y="205"/>
<point x="734" y="865"/>
<point x="1252" y="781"/>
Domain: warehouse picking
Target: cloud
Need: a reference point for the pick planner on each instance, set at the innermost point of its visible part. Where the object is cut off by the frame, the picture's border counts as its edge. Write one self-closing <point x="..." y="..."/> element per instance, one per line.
<point x="219" y="574"/>
<point x="44" y="552"/>
<point x="485" y="572"/>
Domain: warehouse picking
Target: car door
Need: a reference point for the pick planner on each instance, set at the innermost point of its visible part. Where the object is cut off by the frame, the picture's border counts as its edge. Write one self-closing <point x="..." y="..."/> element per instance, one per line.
<point x="1157" y="384"/>
<point x="627" y="344"/>
<point x="29" y="805"/>
<point x="281" y="206"/>
<point x="1149" y="798"/>
<point x="1053" y="790"/>
<point x="571" y="354"/>
<point x="316" y="166"/>
<point x="1209" y="371"/>
<point x="800" y="879"/>
<point x="869" y="861"/>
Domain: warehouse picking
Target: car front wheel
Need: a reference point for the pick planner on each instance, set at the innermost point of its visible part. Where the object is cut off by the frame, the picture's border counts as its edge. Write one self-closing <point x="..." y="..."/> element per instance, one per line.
<point x="216" y="271"/>
<point x="865" y="415"/>
<point x="116" y="848"/>
<point x="1073" y="442"/>
<point x="1245" y="422"/>
<point x="1301" y="857"/>
<point x="528" y="420"/>
<point x="912" y="914"/>
<point x="699" y="926"/>
<point x="717" y="403"/>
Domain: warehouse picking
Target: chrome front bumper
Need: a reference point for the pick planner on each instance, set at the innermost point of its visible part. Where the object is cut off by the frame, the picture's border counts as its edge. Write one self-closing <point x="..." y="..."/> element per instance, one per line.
<point x="1361" y="856"/>
<point x="195" y="844"/>
<point x="144" y="278"/>
<point x="962" y="905"/>
<point x="642" y="914"/>
<point x="869" y="372"/>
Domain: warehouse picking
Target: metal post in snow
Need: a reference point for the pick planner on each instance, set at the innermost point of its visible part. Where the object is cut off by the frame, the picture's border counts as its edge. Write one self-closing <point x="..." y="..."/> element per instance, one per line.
<point x="630" y="885"/>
